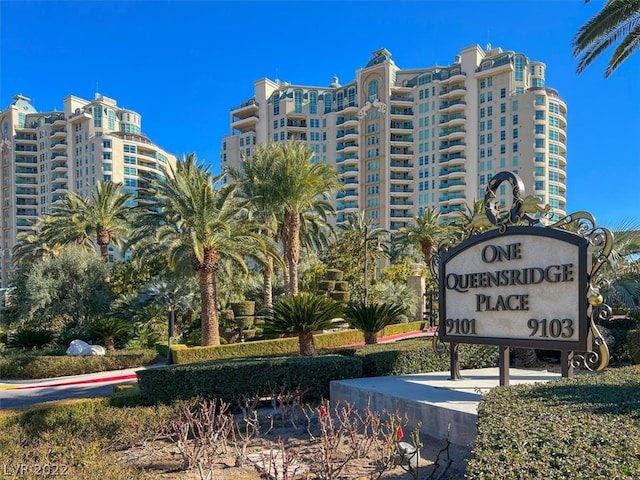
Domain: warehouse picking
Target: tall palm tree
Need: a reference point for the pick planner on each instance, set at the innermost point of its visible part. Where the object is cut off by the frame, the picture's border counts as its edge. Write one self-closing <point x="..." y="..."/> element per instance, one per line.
<point x="426" y="232"/>
<point x="302" y="186"/>
<point x="195" y="219"/>
<point x="256" y="183"/>
<point x="103" y="219"/>
<point x="618" y="22"/>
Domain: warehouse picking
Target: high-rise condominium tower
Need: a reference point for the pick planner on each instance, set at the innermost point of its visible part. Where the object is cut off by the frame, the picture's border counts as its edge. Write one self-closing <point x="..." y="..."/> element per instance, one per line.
<point x="44" y="155"/>
<point x="406" y="140"/>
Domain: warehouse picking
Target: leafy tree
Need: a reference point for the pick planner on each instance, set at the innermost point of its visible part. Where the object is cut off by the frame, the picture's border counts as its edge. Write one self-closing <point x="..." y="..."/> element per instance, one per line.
<point x="371" y="318"/>
<point x="57" y="289"/>
<point x="196" y="221"/>
<point x="129" y="275"/>
<point x="302" y="187"/>
<point x="618" y="22"/>
<point x="104" y="219"/>
<point x="302" y="314"/>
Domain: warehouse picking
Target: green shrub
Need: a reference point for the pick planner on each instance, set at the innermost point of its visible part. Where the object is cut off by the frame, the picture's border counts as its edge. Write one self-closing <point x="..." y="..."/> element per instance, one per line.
<point x="244" y="322"/>
<point x="342" y="286"/>
<point x="30" y="338"/>
<point x="334" y="274"/>
<point x="370" y="318"/>
<point x="81" y="434"/>
<point x="231" y="380"/>
<point x="46" y="366"/>
<point x="109" y="330"/>
<point x="405" y="327"/>
<point x="245" y="308"/>
<point x="633" y="343"/>
<point x="327" y="285"/>
<point x="418" y="356"/>
<point x="586" y="427"/>
<point x="342" y="297"/>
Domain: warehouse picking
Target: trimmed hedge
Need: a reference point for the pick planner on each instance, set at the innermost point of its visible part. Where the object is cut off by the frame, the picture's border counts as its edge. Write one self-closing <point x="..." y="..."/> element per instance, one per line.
<point x="182" y="354"/>
<point x="417" y="356"/>
<point x="26" y="366"/>
<point x="231" y="380"/>
<point x="586" y="427"/>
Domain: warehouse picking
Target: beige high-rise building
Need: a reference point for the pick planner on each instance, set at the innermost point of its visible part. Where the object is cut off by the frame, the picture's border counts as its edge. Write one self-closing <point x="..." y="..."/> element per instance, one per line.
<point x="44" y="155"/>
<point x="406" y="140"/>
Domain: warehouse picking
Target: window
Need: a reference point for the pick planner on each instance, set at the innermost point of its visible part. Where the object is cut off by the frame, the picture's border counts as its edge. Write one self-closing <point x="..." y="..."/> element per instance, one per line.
<point x="490" y="82"/>
<point x="489" y="96"/>
<point x="503" y="135"/>
<point x="539" y="129"/>
<point x="503" y="121"/>
<point x="129" y="160"/>
<point x="282" y="122"/>
<point x="514" y="161"/>
<point x="328" y="99"/>
<point x="482" y="112"/>
<point x="503" y="92"/>
<point x="106" y="144"/>
<point x="503" y="162"/>
<point x="489" y="111"/>
<point x="482" y="98"/>
<point x="538" y="185"/>
<point x="514" y="147"/>
<point x="130" y="171"/>
<point x="483" y="83"/>
<point x="514" y="106"/>
<point x="538" y="172"/>
<point x="339" y="101"/>
<point x="489" y="137"/>
<point x="490" y="124"/>
<point x="351" y="97"/>
<point x="313" y="103"/>
<point x="515" y="133"/>
<point x="503" y="107"/>
<point x="97" y="117"/>
<point x="489" y="151"/>
<point x="553" y="121"/>
<point x="276" y="104"/>
<point x="554" y="177"/>
<point x="539" y="143"/>
<point x="297" y="101"/>
<point x="503" y="149"/>
<point x="241" y="142"/>
<point x="539" y="115"/>
<point x="519" y="63"/>
<point x="553" y="135"/>
<point x="554" y="149"/>
<point x="515" y="119"/>
<point x="111" y="119"/>
<point x="538" y="157"/>
<point x="538" y="100"/>
<point x="106" y="156"/>
<point x="482" y="126"/>
<point x="481" y="139"/>
<point x="553" y="107"/>
<point x="275" y="124"/>
<point x="372" y="90"/>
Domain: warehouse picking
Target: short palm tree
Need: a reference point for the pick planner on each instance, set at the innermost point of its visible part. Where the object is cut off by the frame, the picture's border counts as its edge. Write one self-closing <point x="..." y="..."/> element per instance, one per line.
<point x="102" y="219"/>
<point x="301" y="186"/>
<point x="109" y="329"/>
<point x="618" y="22"/>
<point x="302" y="314"/>
<point x="198" y="222"/>
<point x="371" y="318"/>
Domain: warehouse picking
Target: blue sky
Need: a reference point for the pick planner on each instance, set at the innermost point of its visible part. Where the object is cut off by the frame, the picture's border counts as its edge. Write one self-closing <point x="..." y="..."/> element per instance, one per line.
<point x="183" y="65"/>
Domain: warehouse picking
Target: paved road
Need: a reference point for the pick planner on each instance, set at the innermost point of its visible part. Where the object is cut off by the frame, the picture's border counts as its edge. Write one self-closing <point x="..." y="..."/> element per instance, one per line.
<point x="22" y="393"/>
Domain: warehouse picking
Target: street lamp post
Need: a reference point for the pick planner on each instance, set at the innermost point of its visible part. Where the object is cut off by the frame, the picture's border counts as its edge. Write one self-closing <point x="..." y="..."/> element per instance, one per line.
<point x="366" y="266"/>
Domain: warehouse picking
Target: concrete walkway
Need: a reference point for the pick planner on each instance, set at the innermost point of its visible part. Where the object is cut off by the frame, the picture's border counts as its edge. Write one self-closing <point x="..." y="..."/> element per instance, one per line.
<point x="445" y="407"/>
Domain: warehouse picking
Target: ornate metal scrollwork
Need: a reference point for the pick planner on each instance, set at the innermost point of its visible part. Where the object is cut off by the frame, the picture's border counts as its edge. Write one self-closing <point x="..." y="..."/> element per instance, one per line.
<point x="584" y="224"/>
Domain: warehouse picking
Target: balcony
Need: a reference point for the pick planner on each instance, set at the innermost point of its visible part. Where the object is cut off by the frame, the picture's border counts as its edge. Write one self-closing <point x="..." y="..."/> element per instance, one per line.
<point x="26" y="181"/>
<point x="350" y="134"/>
<point x="408" y="126"/>
<point x="407" y="138"/>
<point x="446" y="184"/>
<point x="351" y="192"/>
<point x="452" y="133"/>
<point x="245" y="124"/>
<point x="400" y="214"/>
<point x="400" y="164"/>
<point x="246" y="109"/>
<point x="457" y="105"/>
<point x="401" y="189"/>
<point x="453" y="172"/>
<point x="297" y="137"/>
<point x="447" y="93"/>
<point x="26" y="148"/>
<point x="23" y="159"/>
<point x="26" y="191"/>
<point x="351" y="107"/>
<point x="453" y="146"/>
<point x="59" y="178"/>
<point x="401" y="112"/>
<point x="453" y="159"/>
<point x="399" y="151"/>
<point x="26" y="201"/>
<point x="347" y="171"/>
<point x="296" y="124"/>
<point x="405" y="177"/>
<point x="59" y="146"/>
<point x="452" y="120"/>
<point x="26" y="212"/>
<point x="401" y="202"/>
<point x="26" y="137"/>
<point x="25" y="222"/>
<point x="58" y="134"/>
<point x="59" y="156"/>
<point x="27" y="170"/>
<point x="401" y="99"/>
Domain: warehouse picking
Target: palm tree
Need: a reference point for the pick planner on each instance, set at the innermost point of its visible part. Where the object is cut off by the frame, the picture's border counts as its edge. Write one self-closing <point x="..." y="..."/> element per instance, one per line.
<point x="301" y="187"/>
<point x="426" y="232"/>
<point x="105" y="216"/>
<point x="256" y="183"/>
<point x="617" y="23"/>
<point x="371" y="318"/>
<point x="302" y="314"/>
<point x="195" y="220"/>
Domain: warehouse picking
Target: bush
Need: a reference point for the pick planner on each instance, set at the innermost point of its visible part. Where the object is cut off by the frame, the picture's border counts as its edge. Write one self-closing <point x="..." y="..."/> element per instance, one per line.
<point x="231" y="380"/>
<point x="28" y="366"/>
<point x="82" y="435"/>
<point x="404" y="327"/>
<point x="418" y="356"/>
<point x="244" y="308"/>
<point x="633" y="342"/>
<point x="585" y="427"/>
<point x="30" y="338"/>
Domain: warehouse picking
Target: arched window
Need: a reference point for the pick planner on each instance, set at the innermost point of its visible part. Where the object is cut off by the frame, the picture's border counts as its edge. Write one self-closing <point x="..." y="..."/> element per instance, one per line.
<point x="297" y="101"/>
<point x="327" y="102"/>
<point x="313" y="102"/>
<point x="351" y="94"/>
<point x="372" y="91"/>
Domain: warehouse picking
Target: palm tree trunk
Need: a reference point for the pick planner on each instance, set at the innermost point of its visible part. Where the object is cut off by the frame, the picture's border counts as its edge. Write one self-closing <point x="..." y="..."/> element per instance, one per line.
<point x="307" y="345"/>
<point x="109" y="343"/>
<point x="370" y="338"/>
<point x="267" y="280"/>
<point x="291" y="243"/>
<point x="104" y="239"/>
<point x="209" y="313"/>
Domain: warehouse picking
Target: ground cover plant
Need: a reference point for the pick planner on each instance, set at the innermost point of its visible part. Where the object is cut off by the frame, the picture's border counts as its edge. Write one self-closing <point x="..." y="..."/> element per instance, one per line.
<point x="586" y="427"/>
